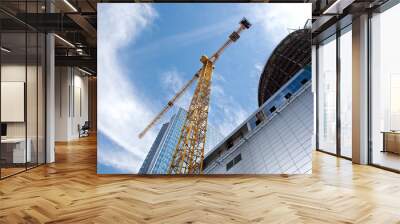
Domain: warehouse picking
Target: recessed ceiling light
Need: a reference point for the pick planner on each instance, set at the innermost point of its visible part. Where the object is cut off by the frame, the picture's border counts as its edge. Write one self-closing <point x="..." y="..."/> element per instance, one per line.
<point x="70" y="5"/>
<point x="5" y="50"/>
<point x="338" y="6"/>
<point x="64" y="40"/>
<point x="84" y="71"/>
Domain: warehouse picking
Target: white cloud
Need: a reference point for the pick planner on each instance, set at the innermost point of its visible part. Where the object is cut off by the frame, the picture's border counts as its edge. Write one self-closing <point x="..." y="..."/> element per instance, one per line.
<point x="192" y="36"/>
<point x="278" y="19"/>
<point x="218" y="77"/>
<point x="255" y="74"/>
<point x="122" y="112"/>
<point x="121" y="160"/>
<point x="173" y="81"/>
<point x="227" y="113"/>
<point x="259" y="67"/>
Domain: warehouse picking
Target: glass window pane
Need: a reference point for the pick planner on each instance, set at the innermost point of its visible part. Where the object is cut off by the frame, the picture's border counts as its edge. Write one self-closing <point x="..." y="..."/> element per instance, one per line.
<point x="385" y="87"/>
<point x="41" y="98"/>
<point x="31" y="97"/>
<point x="13" y="86"/>
<point x="22" y="90"/>
<point x="346" y="93"/>
<point x="327" y="96"/>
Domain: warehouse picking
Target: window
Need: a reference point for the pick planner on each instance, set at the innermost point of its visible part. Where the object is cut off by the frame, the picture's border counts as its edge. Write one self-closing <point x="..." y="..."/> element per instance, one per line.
<point x="385" y="89"/>
<point x="237" y="158"/>
<point x="22" y="65"/>
<point x="346" y="92"/>
<point x="229" y="144"/>
<point x="233" y="162"/>
<point x="272" y="109"/>
<point x="327" y="95"/>
<point x="229" y="165"/>
<point x="304" y="81"/>
<point x="334" y="94"/>
<point x="259" y="117"/>
<point x="288" y="95"/>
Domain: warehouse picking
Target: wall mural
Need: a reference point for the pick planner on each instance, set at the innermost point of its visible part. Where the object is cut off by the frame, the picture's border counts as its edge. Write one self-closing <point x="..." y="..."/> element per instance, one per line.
<point x="204" y="89"/>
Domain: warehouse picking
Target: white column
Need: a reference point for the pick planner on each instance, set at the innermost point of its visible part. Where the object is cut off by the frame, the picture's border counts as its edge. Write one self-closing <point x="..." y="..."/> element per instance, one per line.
<point x="63" y="101"/>
<point x="314" y="92"/>
<point x="50" y="99"/>
<point x="360" y="90"/>
<point x="50" y="92"/>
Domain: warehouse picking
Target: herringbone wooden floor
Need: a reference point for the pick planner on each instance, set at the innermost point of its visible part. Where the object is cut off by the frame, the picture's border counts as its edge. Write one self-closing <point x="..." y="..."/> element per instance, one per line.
<point x="70" y="191"/>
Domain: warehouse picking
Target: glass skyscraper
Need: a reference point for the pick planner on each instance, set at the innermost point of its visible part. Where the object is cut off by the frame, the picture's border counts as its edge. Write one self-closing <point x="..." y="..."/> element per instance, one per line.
<point x="146" y="163"/>
<point x="158" y="159"/>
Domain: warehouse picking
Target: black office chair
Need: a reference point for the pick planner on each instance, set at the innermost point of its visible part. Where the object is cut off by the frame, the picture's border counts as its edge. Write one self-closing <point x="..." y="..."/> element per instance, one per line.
<point x="84" y="130"/>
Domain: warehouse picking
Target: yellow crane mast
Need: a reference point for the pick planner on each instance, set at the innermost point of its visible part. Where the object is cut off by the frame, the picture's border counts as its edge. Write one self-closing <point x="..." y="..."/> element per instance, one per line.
<point x="189" y="152"/>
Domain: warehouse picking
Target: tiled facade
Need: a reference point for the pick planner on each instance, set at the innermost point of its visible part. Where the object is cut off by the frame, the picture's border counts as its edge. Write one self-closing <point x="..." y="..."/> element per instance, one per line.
<point x="159" y="157"/>
<point x="281" y="143"/>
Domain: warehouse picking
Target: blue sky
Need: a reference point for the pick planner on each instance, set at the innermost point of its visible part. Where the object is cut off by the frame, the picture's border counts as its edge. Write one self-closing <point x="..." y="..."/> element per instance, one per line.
<point x="148" y="51"/>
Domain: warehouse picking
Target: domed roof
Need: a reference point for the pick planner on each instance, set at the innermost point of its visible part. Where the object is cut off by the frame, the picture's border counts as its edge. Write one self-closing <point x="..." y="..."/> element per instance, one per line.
<point x="292" y="54"/>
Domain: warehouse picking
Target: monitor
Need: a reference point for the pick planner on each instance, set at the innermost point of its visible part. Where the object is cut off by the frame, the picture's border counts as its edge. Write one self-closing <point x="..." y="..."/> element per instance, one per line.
<point x="3" y="129"/>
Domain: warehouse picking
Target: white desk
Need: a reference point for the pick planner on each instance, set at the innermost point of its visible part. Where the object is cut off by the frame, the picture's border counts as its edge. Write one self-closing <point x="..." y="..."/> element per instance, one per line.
<point x="19" y="154"/>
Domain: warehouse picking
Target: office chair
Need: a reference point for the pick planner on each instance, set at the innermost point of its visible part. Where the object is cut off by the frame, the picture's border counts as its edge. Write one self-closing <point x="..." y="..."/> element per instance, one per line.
<point x="84" y="130"/>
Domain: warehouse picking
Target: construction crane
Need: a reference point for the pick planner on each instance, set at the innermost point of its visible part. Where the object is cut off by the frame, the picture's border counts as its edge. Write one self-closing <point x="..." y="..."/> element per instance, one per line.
<point x="189" y="152"/>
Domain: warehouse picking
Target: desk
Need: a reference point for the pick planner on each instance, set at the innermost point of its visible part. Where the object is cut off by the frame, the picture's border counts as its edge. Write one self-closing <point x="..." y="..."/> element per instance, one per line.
<point x="391" y="141"/>
<point x="18" y="150"/>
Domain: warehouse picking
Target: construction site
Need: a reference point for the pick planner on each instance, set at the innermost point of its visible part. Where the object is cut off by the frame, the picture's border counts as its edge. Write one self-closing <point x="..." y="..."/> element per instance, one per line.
<point x="284" y="93"/>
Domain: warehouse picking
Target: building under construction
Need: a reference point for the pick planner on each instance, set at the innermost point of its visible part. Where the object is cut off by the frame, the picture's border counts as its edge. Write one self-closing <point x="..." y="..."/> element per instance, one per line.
<point x="277" y="137"/>
<point x="188" y="156"/>
<point x="292" y="54"/>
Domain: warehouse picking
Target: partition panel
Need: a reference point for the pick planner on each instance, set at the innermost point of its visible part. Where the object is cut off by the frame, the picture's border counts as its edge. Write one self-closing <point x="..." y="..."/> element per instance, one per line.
<point x="22" y="77"/>
<point x="15" y="150"/>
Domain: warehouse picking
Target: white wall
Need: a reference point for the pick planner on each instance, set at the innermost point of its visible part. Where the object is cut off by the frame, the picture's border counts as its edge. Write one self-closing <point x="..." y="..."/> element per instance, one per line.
<point x="71" y="102"/>
<point x="62" y="81"/>
<point x="17" y="73"/>
<point x="283" y="145"/>
<point x="13" y="101"/>
<point x="81" y="108"/>
<point x="12" y="73"/>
